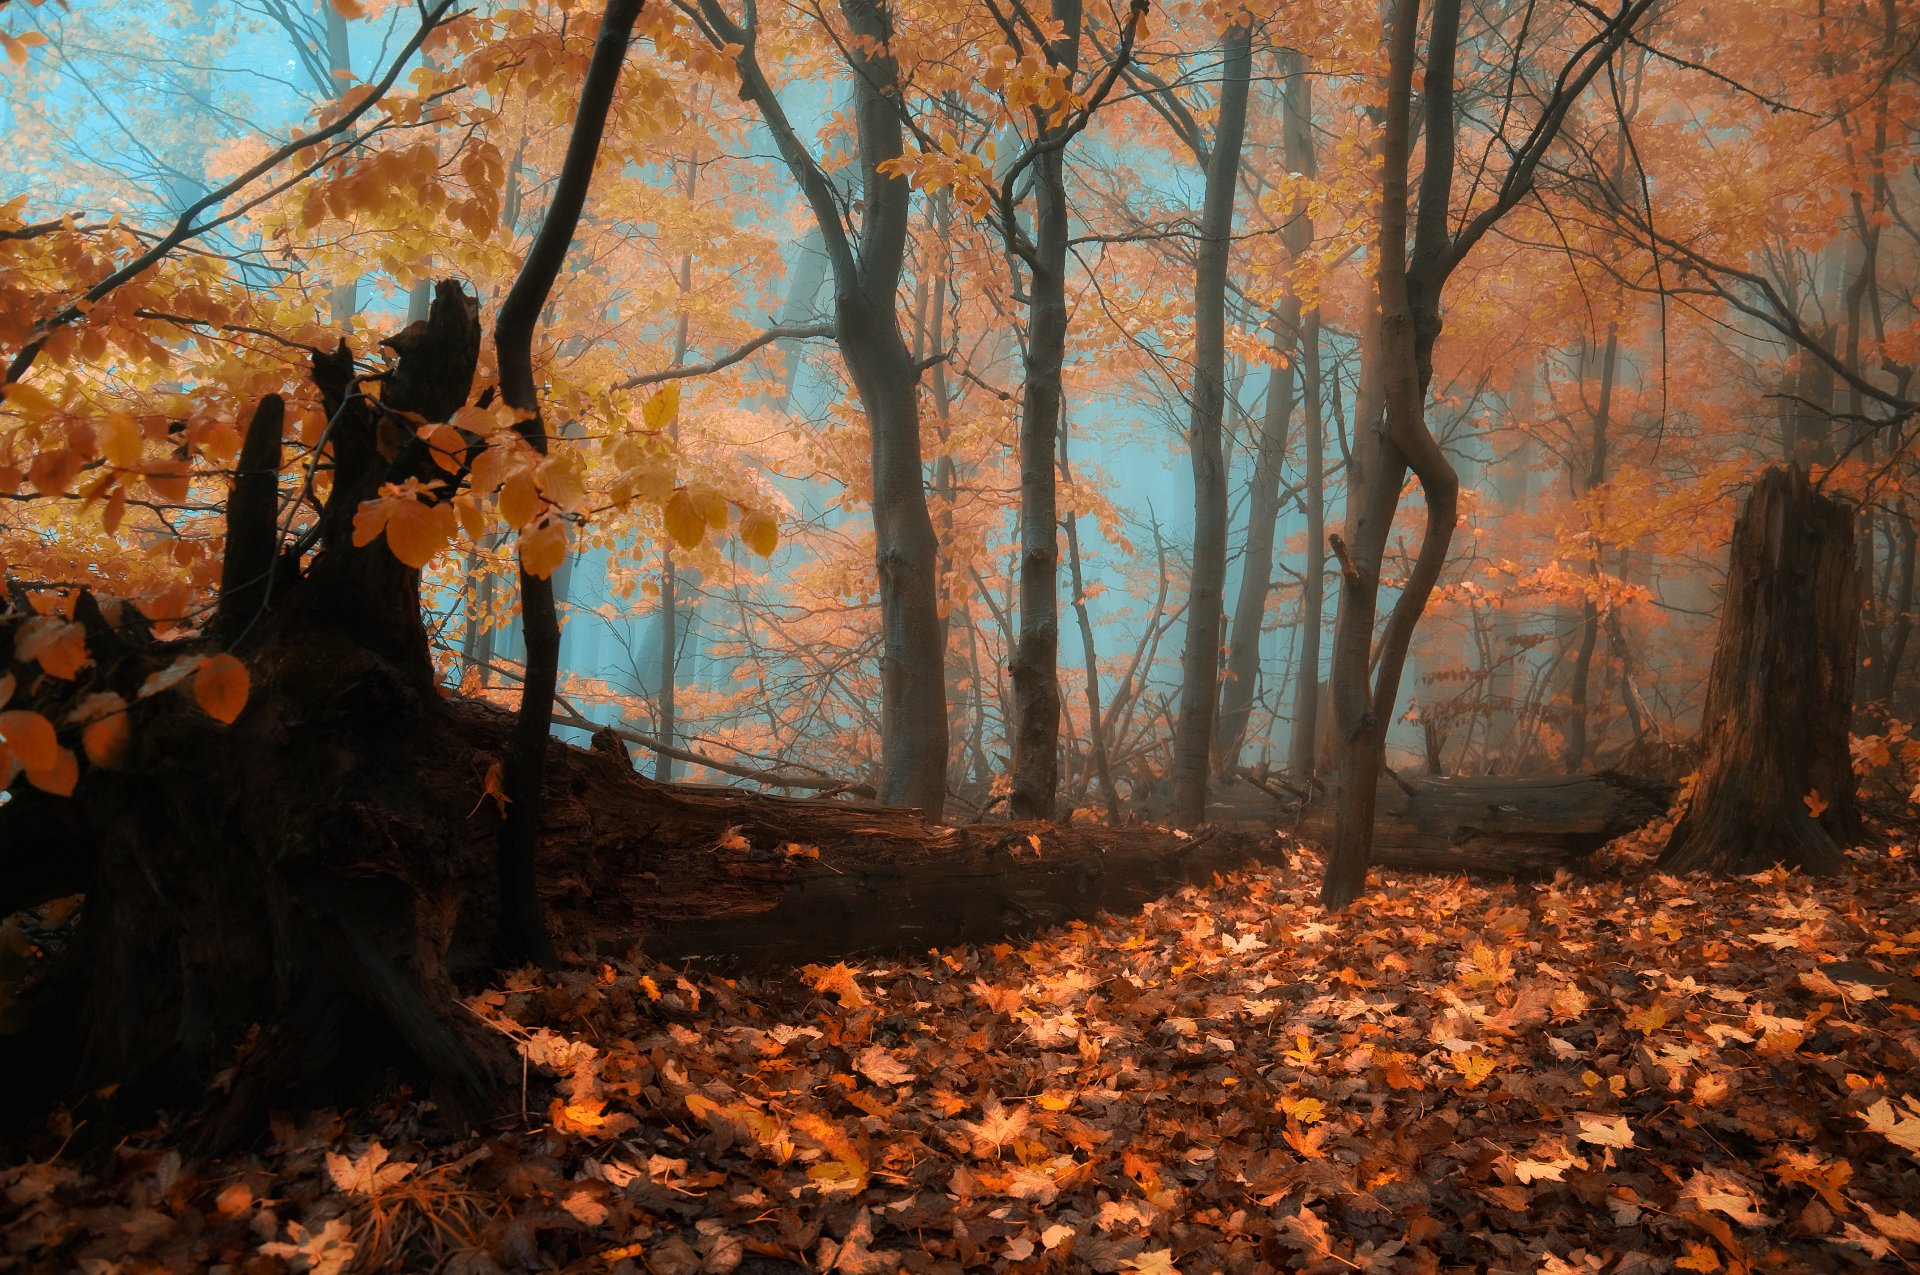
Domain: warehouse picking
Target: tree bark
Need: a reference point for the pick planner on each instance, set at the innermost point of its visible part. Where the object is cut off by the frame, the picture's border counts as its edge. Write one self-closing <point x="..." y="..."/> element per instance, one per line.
<point x="1036" y="652"/>
<point x="524" y="927"/>
<point x="1578" y="686"/>
<point x="1776" y="784"/>
<point x="1263" y="492"/>
<point x="1200" y="659"/>
<point x="1303" y="749"/>
<point x="866" y="274"/>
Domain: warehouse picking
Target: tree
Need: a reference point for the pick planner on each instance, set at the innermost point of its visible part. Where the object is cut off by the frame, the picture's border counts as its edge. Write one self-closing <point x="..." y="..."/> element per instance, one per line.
<point x="867" y="263"/>
<point x="1390" y="431"/>
<point x="1200" y="657"/>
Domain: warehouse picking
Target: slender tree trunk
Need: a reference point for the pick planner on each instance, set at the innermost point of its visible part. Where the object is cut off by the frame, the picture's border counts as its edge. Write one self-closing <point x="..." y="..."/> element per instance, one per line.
<point x="1096" y="725"/>
<point x="343" y="299"/>
<point x="1036" y="652"/>
<point x="1200" y="661"/>
<point x="1242" y="674"/>
<point x="1777" y="781"/>
<point x="523" y="924"/>
<point x="1303" y="750"/>
<point x="1263" y="495"/>
<point x="665" y="724"/>
<point x="1596" y="474"/>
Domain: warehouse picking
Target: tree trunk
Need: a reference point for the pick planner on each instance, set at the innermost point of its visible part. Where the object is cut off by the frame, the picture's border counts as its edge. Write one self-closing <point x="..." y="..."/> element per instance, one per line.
<point x="1200" y="660"/>
<point x="1096" y="724"/>
<point x="1577" y="744"/>
<point x="1777" y="785"/>
<point x="524" y="928"/>
<point x="1303" y="750"/>
<point x="866" y="274"/>
<point x="1256" y="559"/>
<point x="1036" y="652"/>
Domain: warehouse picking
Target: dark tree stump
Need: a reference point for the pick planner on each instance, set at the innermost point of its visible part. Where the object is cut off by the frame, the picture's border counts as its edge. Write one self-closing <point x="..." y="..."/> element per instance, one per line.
<point x="1776" y="783"/>
<point x="282" y="905"/>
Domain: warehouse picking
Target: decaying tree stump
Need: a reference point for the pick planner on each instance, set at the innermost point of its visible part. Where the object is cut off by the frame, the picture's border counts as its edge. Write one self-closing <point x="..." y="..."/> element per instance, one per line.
<point x="281" y="901"/>
<point x="1776" y="783"/>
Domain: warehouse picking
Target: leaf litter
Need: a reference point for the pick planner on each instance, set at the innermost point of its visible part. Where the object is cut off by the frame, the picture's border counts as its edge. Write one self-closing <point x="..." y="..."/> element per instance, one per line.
<point x="1626" y="1074"/>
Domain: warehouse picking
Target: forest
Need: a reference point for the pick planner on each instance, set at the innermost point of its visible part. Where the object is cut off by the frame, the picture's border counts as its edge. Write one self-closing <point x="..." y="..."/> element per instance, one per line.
<point x="936" y="635"/>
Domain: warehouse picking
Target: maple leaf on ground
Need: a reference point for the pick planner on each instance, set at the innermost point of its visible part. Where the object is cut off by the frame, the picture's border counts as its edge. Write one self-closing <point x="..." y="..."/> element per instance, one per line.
<point x="1606" y="1131"/>
<point x="996" y="1127"/>
<point x="1721" y="1192"/>
<point x="369" y="1173"/>
<point x="327" y="1251"/>
<point x="1154" y="1261"/>
<point x="1901" y="1129"/>
<point x="837" y="981"/>
<point x="878" y="1064"/>
<point x="856" y="1255"/>
<point x="1901" y="1226"/>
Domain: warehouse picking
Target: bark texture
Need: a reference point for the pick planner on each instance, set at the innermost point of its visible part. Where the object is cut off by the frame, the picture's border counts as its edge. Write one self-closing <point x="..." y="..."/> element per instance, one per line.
<point x="1776" y="784"/>
<point x="1200" y="659"/>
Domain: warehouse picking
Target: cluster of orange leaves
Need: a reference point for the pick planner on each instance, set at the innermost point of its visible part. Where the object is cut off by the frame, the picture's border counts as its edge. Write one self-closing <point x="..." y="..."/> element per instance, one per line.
<point x="53" y="645"/>
<point x="1612" y="1074"/>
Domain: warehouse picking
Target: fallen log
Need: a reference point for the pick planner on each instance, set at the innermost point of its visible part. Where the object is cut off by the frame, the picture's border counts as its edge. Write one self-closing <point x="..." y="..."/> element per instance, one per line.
<point x="1499" y="824"/>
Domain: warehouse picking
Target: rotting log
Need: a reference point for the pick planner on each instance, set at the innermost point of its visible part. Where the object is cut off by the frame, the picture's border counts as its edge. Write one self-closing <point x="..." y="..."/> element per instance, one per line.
<point x="1502" y="825"/>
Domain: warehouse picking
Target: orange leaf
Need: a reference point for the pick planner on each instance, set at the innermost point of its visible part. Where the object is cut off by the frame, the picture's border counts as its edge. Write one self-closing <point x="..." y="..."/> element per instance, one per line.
<point x="519" y="500"/>
<point x="58" y="778"/>
<point x="59" y="645"/>
<point x="53" y="472"/>
<point x="416" y="531"/>
<point x="29" y="736"/>
<point x="105" y="741"/>
<point x="544" y="548"/>
<point x="1816" y="804"/>
<point x="220" y="687"/>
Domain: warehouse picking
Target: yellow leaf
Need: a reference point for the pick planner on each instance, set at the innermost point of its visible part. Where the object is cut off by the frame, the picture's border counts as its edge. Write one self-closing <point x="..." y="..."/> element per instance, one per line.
<point x="29" y="737"/>
<point x="713" y="507"/>
<point x="120" y="440"/>
<point x="685" y="521"/>
<point x="544" y="548"/>
<point x="220" y="687"/>
<point x="760" y="533"/>
<point x="1606" y="1131"/>
<point x="663" y="408"/>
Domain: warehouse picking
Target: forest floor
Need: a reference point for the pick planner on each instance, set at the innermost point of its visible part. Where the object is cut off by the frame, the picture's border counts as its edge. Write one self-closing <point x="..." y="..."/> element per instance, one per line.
<point x="1616" y="1072"/>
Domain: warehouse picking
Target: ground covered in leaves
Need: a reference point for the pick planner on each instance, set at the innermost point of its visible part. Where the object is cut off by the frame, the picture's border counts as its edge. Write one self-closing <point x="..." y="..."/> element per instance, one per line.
<point x="1623" y="1073"/>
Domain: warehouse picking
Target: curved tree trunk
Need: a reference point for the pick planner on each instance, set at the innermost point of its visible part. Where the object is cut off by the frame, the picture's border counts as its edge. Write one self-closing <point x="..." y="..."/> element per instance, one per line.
<point x="1777" y="782"/>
